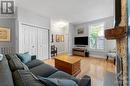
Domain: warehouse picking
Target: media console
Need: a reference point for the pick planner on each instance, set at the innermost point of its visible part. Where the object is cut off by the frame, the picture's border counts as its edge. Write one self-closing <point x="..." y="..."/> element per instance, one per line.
<point x="80" y="52"/>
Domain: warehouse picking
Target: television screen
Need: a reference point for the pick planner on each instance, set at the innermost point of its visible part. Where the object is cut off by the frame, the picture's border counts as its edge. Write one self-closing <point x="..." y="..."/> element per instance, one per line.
<point x="81" y="40"/>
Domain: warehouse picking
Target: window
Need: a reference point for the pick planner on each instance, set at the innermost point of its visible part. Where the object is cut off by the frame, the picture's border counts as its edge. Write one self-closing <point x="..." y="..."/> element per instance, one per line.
<point x="96" y="37"/>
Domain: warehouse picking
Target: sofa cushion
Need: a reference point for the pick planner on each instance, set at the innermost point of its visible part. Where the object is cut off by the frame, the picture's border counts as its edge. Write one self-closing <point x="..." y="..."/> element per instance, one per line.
<point x="45" y="81"/>
<point x="25" y="78"/>
<point x="57" y="82"/>
<point x="44" y="70"/>
<point x="34" y="63"/>
<point x="85" y="81"/>
<point x="5" y="73"/>
<point x="25" y="57"/>
<point x="11" y="56"/>
<point x="63" y="75"/>
<point x="15" y="64"/>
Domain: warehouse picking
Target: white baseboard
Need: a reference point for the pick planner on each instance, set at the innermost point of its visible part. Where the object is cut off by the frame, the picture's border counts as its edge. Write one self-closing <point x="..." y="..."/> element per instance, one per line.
<point x="61" y="52"/>
<point x="97" y="56"/>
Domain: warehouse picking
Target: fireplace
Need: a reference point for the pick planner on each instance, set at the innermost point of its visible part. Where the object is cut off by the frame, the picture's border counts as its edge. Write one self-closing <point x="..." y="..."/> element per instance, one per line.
<point x="119" y="71"/>
<point x="121" y="38"/>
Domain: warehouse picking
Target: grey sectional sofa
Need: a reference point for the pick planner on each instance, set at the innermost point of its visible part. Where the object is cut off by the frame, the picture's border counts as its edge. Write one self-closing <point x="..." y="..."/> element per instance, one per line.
<point x="15" y="73"/>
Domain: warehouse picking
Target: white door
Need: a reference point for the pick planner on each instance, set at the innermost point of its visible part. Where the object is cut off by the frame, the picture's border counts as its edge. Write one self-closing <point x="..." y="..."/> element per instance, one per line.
<point x="27" y="38"/>
<point x="21" y="40"/>
<point x="42" y="44"/>
<point x="24" y="39"/>
<point x="33" y="41"/>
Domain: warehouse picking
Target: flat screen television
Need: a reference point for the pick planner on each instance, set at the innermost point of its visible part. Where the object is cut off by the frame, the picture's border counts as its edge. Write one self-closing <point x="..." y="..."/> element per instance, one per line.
<point x="81" y="40"/>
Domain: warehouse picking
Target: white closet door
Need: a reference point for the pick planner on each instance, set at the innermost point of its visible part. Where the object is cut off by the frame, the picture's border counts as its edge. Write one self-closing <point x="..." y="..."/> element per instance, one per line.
<point x="27" y="39"/>
<point x="33" y="40"/>
<point x="24" y="38"/>
<point x="42" y="44"/>
<point x="21" y="40"/>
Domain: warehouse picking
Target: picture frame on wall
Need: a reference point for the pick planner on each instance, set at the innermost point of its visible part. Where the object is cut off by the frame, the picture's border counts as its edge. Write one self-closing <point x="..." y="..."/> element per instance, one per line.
<point x="59" y="38"/>
<point x="4" y="34"/>
<point x="80" y="30"/>
<point x="62" y="38"/>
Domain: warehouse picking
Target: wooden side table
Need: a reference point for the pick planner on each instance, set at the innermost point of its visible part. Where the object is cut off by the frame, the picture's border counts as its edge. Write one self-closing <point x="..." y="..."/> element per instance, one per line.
<point x="80" y="52"/>
<point x="70" y="65"/>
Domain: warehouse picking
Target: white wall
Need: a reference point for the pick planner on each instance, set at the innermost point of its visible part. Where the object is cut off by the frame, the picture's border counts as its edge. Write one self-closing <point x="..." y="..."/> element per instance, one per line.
<point x="29" y="17"/>
<point x="71" y="34"/>
<point x="62" y="47"/>
<point x="109" y="44"/>
<point x="10" y="24"/>
<point x="8" y="21"/>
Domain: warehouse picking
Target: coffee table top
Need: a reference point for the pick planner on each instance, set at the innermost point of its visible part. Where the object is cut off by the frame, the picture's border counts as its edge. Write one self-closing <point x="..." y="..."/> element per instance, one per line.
<point x="68" y="59"/>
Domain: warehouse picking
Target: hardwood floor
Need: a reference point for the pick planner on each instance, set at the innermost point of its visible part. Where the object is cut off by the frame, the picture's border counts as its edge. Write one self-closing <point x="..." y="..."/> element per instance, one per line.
<point x="95" y="68"/>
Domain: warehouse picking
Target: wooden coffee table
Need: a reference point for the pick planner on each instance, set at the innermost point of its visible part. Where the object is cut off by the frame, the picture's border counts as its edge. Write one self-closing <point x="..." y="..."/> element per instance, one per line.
<point x="70" y="65"/>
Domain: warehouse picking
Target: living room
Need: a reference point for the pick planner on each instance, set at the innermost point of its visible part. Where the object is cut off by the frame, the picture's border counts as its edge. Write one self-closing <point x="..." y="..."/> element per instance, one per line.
<point x="60" y="37"/>
<point x="93" y="60"/>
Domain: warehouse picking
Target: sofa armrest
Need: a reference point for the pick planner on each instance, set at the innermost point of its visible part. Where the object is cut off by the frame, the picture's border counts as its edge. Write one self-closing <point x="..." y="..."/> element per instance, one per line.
<point x="85" y="81"/>
<point x="33" y="57"/>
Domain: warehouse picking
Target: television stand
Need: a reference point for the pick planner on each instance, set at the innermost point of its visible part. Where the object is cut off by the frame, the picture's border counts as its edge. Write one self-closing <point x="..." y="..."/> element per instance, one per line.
<point x="80" y="52"/>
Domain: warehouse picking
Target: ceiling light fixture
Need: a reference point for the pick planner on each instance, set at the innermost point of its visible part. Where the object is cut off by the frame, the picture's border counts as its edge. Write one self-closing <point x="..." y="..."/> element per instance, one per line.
<point x="60" y="24"/>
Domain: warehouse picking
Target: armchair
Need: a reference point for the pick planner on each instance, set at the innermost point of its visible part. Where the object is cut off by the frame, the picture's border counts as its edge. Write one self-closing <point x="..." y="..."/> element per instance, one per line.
<point x="53" y="50"/>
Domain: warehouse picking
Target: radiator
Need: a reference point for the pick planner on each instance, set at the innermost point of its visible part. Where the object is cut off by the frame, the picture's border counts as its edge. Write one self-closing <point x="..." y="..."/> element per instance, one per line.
<point x="7" y="50"/>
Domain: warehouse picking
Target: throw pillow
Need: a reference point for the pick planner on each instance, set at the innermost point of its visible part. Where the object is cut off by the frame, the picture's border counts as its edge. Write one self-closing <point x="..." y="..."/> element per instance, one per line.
<point x="57" y="82"/>
<point x="15" y="64"/>
<point x="25" y="57"/>
<point x="11" y="56"/>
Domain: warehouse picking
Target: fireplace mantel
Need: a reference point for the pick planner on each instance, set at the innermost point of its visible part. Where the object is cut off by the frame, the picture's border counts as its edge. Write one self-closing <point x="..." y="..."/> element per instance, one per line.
<point x="115" y="33"/>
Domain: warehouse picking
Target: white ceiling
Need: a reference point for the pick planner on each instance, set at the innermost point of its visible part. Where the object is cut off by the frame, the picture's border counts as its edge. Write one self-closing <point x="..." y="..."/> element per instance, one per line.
<point x="74" y="11"/>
